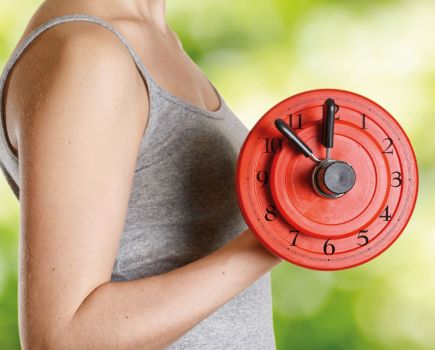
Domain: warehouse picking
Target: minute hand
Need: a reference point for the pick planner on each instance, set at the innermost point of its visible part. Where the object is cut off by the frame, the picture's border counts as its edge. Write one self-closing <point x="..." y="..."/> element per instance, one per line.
<point x="329" y="109"/>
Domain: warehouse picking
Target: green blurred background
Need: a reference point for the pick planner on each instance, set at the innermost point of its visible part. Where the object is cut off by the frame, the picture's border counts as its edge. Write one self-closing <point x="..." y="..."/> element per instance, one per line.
<point x="258" y="53"/>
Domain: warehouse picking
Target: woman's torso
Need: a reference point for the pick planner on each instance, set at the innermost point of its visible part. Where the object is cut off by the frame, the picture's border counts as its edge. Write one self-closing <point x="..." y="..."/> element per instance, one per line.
<point x="183" y="204"/>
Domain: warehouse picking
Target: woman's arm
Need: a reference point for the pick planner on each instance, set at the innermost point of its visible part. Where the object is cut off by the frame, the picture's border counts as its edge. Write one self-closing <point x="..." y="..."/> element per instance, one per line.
<point x="83" y="110"/>
<point x="152" y="312"/>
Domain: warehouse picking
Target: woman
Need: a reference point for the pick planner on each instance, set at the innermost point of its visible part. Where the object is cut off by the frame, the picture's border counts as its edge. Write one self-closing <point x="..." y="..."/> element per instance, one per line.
<point x="123" y="154"/>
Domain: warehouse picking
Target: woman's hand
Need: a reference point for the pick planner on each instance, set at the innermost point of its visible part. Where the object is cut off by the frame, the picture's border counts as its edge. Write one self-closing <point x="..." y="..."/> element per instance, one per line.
<point x="251" y="240"/>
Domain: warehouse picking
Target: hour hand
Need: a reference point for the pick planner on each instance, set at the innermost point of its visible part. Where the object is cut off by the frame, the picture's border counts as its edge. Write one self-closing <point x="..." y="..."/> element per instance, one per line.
<point x="301" y="146"/>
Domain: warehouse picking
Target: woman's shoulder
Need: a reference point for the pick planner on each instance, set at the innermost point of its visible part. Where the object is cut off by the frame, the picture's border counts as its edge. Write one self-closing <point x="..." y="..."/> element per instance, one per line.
<point x="76" y="50"/>
<point x="66" y="35"/>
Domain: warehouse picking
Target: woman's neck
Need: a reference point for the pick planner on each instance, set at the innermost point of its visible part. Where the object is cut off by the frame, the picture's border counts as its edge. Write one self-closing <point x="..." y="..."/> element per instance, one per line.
<point x="151" y="11"/>
<point x="154" y="10"/>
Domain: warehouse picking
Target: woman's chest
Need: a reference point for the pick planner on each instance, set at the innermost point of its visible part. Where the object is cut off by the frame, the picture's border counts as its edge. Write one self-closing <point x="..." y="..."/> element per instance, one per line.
<point x="183" y="203"/>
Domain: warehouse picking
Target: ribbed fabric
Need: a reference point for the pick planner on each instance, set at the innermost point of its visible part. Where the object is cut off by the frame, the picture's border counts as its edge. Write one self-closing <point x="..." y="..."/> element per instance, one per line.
<point x="182" y="205"/>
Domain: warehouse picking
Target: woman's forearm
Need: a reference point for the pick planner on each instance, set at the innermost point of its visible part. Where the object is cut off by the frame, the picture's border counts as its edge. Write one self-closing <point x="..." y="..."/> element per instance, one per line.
<point x="152" y="312"/>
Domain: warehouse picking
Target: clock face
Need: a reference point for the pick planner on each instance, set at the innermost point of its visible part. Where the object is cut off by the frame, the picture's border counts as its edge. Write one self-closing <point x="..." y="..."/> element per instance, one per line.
<point x="342" y="206"/>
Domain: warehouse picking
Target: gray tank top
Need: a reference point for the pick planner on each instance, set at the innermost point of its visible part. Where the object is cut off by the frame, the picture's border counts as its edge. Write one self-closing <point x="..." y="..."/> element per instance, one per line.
<point x="182" y="205"/>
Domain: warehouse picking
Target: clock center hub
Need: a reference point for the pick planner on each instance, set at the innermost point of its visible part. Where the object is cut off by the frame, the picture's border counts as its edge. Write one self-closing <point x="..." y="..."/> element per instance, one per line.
<point x="333" y="178"/>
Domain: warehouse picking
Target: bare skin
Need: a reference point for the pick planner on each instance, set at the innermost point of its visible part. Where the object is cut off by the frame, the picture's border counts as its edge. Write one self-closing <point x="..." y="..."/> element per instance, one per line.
<point x="76" y="116"/>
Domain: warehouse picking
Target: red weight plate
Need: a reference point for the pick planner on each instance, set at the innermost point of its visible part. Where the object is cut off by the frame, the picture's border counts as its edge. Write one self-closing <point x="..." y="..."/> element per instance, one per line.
<point x="279" y="203"/>
<point x="292" y="190"/>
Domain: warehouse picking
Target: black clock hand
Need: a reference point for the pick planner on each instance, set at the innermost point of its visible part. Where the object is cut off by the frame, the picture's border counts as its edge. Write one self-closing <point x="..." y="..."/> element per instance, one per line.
<point x="285" y="129"/>
<point x="329" y="109"/>
<point x="332" y="178"/>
